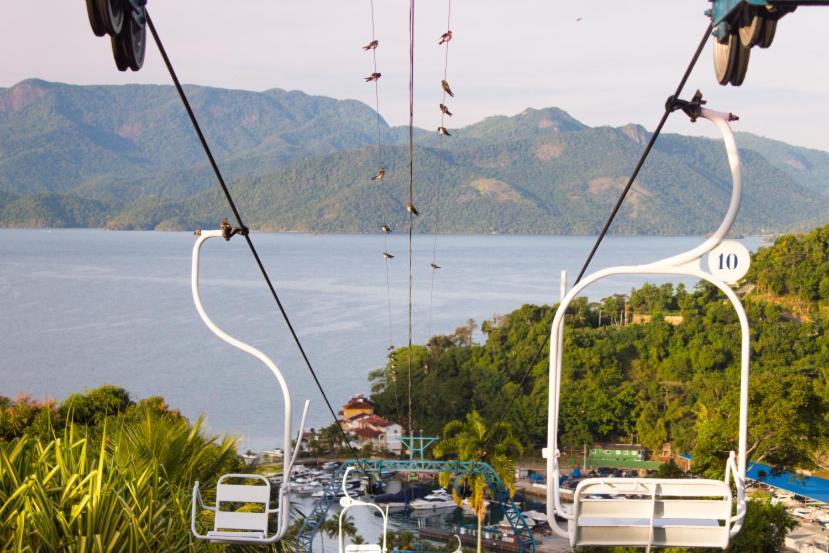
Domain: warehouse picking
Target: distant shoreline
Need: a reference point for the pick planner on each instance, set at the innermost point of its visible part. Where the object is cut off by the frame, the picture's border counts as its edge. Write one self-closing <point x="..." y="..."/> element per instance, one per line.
<point x="765" y="236"/>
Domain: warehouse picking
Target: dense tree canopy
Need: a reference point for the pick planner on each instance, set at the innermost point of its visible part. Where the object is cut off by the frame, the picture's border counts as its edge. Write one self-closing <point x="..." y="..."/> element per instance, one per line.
<point x="646" y="383"/>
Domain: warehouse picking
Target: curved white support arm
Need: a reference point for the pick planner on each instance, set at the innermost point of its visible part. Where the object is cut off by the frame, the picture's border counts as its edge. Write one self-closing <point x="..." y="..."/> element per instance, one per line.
<point x="687" y="264"/>
<point x="348" y="502"/>
<point x="290" y="466"/>
<point x="721" y="120"/>
<point x="284" y="492"/>
<point x="731" y="471"/>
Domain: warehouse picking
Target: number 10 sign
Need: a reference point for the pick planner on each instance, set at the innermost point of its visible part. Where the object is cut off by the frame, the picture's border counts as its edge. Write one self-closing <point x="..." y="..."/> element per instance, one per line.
<point x="729" y="261"/>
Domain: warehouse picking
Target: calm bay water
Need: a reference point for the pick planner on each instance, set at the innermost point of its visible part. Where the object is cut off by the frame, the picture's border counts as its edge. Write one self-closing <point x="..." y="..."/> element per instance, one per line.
<point x="81" y="308"/>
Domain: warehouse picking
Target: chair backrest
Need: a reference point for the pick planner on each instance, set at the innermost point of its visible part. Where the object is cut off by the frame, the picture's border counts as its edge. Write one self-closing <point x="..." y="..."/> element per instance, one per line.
<point x="231" y="496"/>
<point x="645" y="512"/>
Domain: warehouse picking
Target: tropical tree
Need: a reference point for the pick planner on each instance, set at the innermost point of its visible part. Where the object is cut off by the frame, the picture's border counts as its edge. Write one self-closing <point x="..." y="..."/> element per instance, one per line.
<point x="330" y="528"/>
<point x="471" y="440"/>
<point x="69" y="493"/>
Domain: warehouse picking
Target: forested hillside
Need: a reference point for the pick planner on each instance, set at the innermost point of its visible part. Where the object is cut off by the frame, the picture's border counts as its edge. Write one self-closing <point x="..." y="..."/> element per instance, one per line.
<point x="124" y="157"/>
<point x="796" y="266"/>
<point x="646" y="383"/>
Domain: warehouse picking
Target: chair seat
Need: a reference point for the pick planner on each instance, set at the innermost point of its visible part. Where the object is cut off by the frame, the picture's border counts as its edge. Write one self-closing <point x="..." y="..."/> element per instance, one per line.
<point x="657" y="522"/>
<point x="229" y="536"/>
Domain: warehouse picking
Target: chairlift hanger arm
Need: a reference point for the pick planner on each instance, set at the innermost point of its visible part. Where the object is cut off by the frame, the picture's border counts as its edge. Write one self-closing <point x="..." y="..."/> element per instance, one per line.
<point x="227" y="233"/>
<point x="687" y="263"/>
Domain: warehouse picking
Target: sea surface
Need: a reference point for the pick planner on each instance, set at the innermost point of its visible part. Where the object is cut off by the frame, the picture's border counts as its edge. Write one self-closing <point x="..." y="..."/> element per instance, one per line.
<point x="82" y="308"/>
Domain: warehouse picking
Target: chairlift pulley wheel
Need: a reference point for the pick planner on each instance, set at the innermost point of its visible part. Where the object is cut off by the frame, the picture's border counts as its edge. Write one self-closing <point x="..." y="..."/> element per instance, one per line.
<point x="768" y="31"/>
<point x="743" y="54"/>
<point x="111" y="15"/>
<point x="751" y="26"/>
<point x="119" y="53"/>
<point x="134" y="37"/>
<point x="94" y="18"/>
<point x="725" y="58"/>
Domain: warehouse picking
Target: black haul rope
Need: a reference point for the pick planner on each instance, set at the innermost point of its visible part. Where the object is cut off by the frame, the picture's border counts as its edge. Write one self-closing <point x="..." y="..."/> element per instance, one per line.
<point x="670" y="107"/>
<point x="243" y="229"/>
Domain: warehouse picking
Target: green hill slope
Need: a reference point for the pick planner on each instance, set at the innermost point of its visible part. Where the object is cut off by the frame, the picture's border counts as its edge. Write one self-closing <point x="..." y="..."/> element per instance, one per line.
<point x="302" y="163"/>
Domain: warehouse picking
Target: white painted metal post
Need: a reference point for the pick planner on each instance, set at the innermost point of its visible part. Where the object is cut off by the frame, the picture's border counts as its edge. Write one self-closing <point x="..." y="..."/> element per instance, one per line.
<point x="563" y="291"/>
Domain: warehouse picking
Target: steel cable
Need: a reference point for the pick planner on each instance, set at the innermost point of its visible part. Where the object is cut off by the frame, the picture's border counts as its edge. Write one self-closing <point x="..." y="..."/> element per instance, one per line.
<point x="442" y="170"/>
<point x="238" y="218"/>
<point x="611" y="217"/>
<point x="411" y="209"/>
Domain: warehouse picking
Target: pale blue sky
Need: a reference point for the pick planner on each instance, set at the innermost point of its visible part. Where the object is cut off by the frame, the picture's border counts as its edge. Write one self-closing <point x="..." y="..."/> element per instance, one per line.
<point x="616" y="65"/>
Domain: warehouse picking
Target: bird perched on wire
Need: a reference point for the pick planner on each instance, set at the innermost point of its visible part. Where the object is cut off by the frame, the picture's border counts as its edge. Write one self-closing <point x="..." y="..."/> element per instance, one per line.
<point x="443" y="131"/>
<point x="446" y="88"/>
<point x="445" y="38"/>
<point x="385" y="228"/>
<point x="373" y="77"/>
<point x="372" y="45"/>
<point x="434" y="266"/>
<point x="379" y="175"/>
<point x="445" y="110"/>
<point x="412" y="209"/>
<point x="387" y="255"/>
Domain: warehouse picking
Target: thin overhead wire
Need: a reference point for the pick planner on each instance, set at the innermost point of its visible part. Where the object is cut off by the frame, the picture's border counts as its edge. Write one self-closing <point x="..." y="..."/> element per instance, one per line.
<point x="376" y="91"/>
<point x="442" y="169"/>
<point x="238" y="217"/>
<point x="411" y="208"/>
<point x="669" y="108"/>
<point x="385" y="228"/>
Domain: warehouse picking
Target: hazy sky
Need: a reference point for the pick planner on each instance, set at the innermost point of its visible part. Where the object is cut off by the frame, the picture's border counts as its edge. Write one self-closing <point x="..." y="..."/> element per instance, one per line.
<point x="617" y="65"/>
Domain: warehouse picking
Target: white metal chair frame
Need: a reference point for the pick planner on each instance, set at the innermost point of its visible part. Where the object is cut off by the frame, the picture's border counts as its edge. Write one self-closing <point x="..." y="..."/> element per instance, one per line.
<point x="692" y="514"/>
<point x="347" y="502"/>
<point x="243" y="527"/>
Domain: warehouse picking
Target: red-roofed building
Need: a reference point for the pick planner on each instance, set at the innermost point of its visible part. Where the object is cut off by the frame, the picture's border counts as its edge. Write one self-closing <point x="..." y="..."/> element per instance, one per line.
<point x="357" y="405"/>
<point x="359" y="419"/>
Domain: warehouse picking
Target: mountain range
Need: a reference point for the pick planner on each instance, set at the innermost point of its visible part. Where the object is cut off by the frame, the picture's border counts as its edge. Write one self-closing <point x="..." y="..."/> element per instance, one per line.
<point x="125" y="157"/>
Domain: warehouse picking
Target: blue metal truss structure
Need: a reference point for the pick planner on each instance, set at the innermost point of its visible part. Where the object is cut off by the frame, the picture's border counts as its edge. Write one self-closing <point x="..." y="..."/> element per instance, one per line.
<point x="523" y="535"/>
<point x="722" y="10"/>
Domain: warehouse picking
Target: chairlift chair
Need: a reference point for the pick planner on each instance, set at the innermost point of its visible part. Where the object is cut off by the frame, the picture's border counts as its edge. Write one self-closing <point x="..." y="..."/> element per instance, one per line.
<point x="245" y="526"/>
<point x="347" y="502"/>
<point x="658" y="512"/>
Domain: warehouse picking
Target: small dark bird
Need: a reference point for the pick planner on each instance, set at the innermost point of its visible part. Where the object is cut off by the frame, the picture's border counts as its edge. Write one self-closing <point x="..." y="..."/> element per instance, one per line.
<point x="391" y="348"/>
<point x="380" y="174"/>
<point x="445" y="38"/>
<point x="578" y="19"/>
<point x="412" y="209"/>
<point x="372" y="45"/>
<point x="373" y="77"/>
<point x="434" y="266"/>
<point x="446" y="88"/>
<point x="386" y="228"/>
<point x="387" y="255"/>
<point x="445" y="110"/>
<point x="442" y="130"/>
